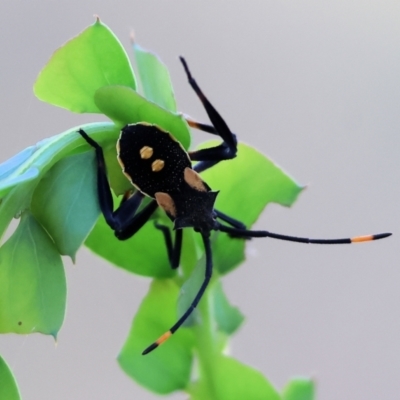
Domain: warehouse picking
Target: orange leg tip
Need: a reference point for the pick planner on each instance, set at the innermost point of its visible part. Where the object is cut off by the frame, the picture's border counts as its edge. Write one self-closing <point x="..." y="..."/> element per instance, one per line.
<point x="367" y="238"/>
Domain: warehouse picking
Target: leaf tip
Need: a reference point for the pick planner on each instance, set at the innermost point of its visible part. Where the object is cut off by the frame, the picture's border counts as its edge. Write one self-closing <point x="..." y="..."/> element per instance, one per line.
<point x="97" y="18"/>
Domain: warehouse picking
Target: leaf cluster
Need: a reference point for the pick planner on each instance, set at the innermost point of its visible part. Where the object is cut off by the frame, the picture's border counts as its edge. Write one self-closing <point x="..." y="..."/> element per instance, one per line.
<point x="51" y="189"/>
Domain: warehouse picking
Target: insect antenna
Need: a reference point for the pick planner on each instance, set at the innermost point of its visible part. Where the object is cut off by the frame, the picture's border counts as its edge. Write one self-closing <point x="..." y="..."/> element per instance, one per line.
<point x="199" y="295"/>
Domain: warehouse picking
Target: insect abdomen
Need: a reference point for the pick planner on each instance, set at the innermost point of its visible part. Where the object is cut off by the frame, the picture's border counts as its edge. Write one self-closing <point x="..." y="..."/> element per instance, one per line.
<point x="152" y="159"/>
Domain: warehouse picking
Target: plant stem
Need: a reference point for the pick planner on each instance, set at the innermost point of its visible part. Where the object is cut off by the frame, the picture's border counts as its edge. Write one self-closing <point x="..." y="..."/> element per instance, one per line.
<point x="207" y="344"/>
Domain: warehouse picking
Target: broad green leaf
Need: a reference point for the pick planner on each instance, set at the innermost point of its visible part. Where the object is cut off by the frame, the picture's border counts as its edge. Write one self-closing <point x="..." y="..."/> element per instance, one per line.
<point x="230" y="379"/>
<point x="299" y="389"/>
<point x="8" y="385"/>
<point x="246" y="184"/>
<point x="228" y="317"/>
<point x="168" y="367"/>
<point x="65" y="202"/>
<point x="93" y="59"/>
<point x="155" y="79"/>
<point x="124" y="106"/>
<point x="49" y="151"/>
<point x="32" y="281"/>
<point x="143" y="254"/>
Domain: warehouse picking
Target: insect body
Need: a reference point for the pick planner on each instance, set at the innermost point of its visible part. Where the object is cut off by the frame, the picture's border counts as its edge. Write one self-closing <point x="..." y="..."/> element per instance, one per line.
<point x="160" y="168"/>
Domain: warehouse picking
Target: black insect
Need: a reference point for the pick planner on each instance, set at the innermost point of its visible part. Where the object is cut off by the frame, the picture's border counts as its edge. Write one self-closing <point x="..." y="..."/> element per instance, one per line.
<point x="159" y="167"/>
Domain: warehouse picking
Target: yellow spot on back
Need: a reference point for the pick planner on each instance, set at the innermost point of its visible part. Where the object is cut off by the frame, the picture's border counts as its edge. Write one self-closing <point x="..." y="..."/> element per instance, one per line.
<point x="146" y="152"/>
<point x="157" y="165"/>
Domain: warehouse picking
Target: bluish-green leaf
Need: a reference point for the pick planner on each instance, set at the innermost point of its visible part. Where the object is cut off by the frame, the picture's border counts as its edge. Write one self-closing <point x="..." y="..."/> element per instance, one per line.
<point x="155" y="79"/>
<point x="32" y="281"/>
<point x="9" y="166"/>
<point x="49" y="151"/>
<point x="65" y="201"/>
<point x="13" y="180"/>
<point x="167" y="368"/>
<point x="93" y="59"/>
<point x="124" y="106"/>
<point x="8" y="385"/>
<point x="299" y="389"/>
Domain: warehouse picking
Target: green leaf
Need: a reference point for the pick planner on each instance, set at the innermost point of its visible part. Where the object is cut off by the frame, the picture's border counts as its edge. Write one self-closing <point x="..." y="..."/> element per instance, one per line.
<point x="93" y="59"/>
<point x="56" y="198"/>
<point x="124" y="106"/>
<point x="143" y="254"/>
<point x="65" y="202"/>
<point x="49" y="151"/>
<point x="247" y="184"/>
<point x="8" y="385"/>
<point x="299" y="389"/>
<point x="168" y="367"/>
<point x="234" y="381"/>
<point x="32" y="281"/>
<point x="155" y="79"/>
<point x="228" y="317"/>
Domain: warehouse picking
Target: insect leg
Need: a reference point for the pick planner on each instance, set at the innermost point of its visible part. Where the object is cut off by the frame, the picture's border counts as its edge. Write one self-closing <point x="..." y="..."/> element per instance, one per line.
<point x="201" y="126"/>
<point x="103" y="187"/>
<point x="124" y="221"/>
<point x="182" y="319"/>
<point x="224" y="151"/>
<point x="129" y="226"/>
<point x="216" y="154"/>
<point x="231" y="221"/>
<point x="174" y="251"/>
<point x="248" y="233"/>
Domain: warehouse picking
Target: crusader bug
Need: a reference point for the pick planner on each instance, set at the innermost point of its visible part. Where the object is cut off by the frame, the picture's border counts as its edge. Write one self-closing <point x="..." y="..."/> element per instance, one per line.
<point x="158" y="167"/>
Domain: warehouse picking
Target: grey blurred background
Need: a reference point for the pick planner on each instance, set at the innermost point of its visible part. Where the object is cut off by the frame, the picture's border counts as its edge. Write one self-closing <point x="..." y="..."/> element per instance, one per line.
<point x="314" y="85"/>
